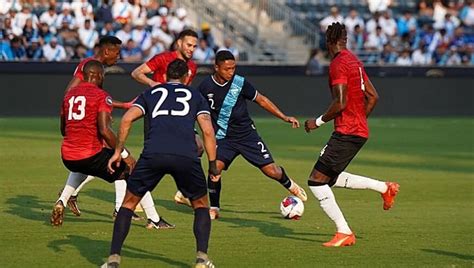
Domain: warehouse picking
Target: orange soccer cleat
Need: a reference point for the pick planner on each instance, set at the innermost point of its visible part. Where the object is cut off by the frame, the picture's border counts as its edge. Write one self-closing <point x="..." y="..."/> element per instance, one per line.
<point x="341" y="240"/>
<point x="389" y="196"/>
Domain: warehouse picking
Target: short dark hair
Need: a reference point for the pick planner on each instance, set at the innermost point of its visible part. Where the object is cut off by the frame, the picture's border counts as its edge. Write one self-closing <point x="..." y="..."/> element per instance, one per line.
<point x="92" y="64"/>
<point x="176" y="69"/>
<point x="336" y="32"/>
<point x="224" y="55"/>
<point x="187" y="32"/>
<point x="109" y="40"/>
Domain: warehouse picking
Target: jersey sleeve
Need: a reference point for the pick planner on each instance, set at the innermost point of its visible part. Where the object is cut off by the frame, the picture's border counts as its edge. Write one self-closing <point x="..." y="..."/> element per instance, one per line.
<point x="338" y="74"/>
<point x="140" y="103"/>
<point x="78" y="72"/>
<point x="193" y="69"/>
<point x="105" y="103"/>
<point x="154" y="62"/>
<point x="248" y="91"/>
<point x="203" y="106"/>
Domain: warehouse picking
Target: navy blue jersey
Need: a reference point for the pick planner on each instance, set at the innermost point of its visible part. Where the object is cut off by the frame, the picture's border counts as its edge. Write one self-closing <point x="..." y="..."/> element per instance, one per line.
<point x="171" y="109"/>
<point x="229" y="113"/>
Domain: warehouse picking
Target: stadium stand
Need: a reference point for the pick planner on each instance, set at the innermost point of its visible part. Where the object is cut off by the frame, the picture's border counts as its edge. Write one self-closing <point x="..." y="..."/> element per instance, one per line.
<point x="381" y="32"/>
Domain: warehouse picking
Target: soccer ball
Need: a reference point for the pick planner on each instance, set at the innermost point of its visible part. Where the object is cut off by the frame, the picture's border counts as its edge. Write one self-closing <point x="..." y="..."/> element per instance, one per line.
<point x="292" y="208"/>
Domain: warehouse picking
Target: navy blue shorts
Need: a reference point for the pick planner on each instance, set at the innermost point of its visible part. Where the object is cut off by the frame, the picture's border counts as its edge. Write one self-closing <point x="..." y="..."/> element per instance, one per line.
<point x="253" y="149"/>
<point x="186" y="172"/>
<point x="96" y="166"/>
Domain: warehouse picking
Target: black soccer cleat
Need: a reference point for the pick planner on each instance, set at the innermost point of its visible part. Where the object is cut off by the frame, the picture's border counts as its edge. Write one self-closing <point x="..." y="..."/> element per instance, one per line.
<point x="161" y="224"/>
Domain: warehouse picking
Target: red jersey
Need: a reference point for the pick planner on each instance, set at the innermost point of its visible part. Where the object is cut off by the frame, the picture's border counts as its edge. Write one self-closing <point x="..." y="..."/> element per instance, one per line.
<point x="346" y="69"/>
<point x="79" y="69"/>
<point x="81" y="106"/>
<point x="159" y="63"/>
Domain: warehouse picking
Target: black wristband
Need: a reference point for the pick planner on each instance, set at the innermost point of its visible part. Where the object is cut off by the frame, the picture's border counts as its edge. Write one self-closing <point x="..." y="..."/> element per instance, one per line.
<point x="213" y="168"/>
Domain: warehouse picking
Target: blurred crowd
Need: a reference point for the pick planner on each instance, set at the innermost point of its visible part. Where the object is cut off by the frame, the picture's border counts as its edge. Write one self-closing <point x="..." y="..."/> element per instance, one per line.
<point x="436" y="33"/>
<point x="50" y="30"/>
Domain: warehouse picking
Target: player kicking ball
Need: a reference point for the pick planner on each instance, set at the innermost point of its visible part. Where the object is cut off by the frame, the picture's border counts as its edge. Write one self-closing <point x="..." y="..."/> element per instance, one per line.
<point x="353" y="99"/>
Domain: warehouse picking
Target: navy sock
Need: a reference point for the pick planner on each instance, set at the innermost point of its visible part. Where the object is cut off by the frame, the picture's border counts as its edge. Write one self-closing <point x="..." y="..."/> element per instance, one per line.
<point x="284" y="180"/>
<point x="214" y="192"/>
<point x="121" y="228"/>
<point x="202" y="228"/>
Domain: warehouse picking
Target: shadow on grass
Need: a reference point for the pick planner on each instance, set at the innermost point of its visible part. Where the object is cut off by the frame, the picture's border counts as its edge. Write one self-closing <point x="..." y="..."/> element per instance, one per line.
<point x="450" y="254"/>
<point x="30" y="207"/>
<point x="267" y="228"/>
<point x="96" y="257"/>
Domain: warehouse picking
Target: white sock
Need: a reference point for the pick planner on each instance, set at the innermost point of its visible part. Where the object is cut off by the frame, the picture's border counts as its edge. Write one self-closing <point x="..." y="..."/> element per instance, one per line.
<point x="120" y="189"/>
<point x="78" y="189"/>
<point x="327" y="201"/>
<point x="66" y="194"/>
<point x="351" y="181"/>
<point x="149" y="207"/>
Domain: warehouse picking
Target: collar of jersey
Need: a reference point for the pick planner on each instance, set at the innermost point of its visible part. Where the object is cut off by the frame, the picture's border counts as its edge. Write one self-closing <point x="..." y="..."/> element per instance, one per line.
<point x="217" y="83"/>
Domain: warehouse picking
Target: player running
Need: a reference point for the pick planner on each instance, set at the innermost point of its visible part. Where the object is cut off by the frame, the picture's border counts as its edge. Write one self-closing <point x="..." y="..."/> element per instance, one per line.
<point x="353" y="99"/>
<point x="169" y="148"/>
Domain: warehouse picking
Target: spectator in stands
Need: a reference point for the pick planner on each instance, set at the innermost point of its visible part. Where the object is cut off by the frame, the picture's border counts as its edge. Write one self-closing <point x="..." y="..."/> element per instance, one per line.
<point x="44" y="33"/>
<point x="65" y="18"/>
<point x="104" y="13"/>
<point x="82" y="10"/>
<point x="389" y="55"/>
<point x="9" y="30"/>
<point x="50" y="18"/>
<point x="141" y="36"/>
<point x="334" y="16"/>
<point x="372" y="24"/>
<point x="157" y="46"/>
<point x="139" y="13"/>
<point x="352" y="20"/>
<point x="313" y="65"/>
<point x="440" y="56"/>
<point x="439" y="13"/>
<point x="377" y="40"/>
<point x="18" y="50"/>
<point x="131" y="53"/>
<point x="122" y="11"/>
<point x="53" y="51"/>
<point x="404" y="59"/>
<point x="421" y="56"/>
<point x="467" y="58"/>
<point x="125" y="33"/>
<point x="378" y="5"/>
<point x="24" y="15"/>
<point x="425" y="11"/>
<point x="164" y="35"/>
<point x="228" y="46"/>
<point x="388" y="24"/>
<point x="162" y="18"/>
<point x="203" y="53"/>
<point x="85" y="15"/>
<point x="453" y="57"/>
<point x="406" y="23"/>
<point x="440" y="38"/>
<point x="108" y="29"/>
<point x="80" y="52"/>
<point x="467" y="13"/>
<point x="357" y="39"/>
<point x="88" y="36"/>
<point x="207" y="35"/>
<point x="29" y="32"/>
<point x="450" y="23"/>
<point x="7" y="5"/>
<point x="34" y="50"/>
<point x="180" y="22"/>
<point x="5" y="49"/>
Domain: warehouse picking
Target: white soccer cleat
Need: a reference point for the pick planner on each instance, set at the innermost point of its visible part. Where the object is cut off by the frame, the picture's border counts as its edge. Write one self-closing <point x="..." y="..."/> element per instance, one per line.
<point x="179" y="198"/>
<point x="214" y="213"/>
<point x="298" y="191"/>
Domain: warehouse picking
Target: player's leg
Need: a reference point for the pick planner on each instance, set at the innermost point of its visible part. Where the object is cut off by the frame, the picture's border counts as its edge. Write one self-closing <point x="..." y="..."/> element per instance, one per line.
<point x="120" y="190"/>
<point x="73" y="181"/>
<point x="154" y="221"/>
<point x="388" y="190"/>
<point x="190" y="180"/>
<point x="278" y="173"/>
<point x="73" y="200"/>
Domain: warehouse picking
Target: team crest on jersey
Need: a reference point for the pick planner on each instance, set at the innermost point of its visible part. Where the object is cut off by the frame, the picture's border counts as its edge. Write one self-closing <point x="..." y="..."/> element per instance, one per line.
<point x="108" y="100"/>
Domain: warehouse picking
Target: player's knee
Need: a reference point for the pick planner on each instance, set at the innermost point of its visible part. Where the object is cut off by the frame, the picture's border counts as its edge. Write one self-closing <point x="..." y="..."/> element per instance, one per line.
<point x="130" y="201"/>
<point x="318" y="179"/>
<point x="273" y="171"/>
<point x="200" y="203"/>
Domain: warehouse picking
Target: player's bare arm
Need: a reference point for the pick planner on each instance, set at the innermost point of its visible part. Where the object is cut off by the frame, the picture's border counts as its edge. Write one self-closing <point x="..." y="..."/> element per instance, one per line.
<point x="205" y="123"/>
<point x="140" y="74"/>
<point x="371" y="97"/>
<point x="131" y="115"/>
<point x="269" y="106"/>
<point x="338" y="104"/>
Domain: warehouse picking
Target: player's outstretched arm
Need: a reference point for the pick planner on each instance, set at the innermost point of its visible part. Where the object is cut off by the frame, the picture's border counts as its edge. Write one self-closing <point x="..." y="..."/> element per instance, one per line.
<point x="269" y="106"/>
<point x="338" y="104"/>
<point x="104" y="122"/>
<point x="371" y="97"/>
<point x="139" y="74"/>
<point x="205" y="123"/>
<point x="131" y="115"/>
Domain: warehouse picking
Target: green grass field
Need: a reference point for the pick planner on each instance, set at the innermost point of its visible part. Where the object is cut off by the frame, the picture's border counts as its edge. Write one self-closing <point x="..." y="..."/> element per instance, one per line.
<point x="432" y="223"/>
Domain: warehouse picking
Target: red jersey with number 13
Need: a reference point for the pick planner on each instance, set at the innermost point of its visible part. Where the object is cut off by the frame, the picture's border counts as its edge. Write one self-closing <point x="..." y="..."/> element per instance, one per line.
<point x="346" y="69"/>
<point x="159" y="63"/>
<point x="81" y="106"/>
